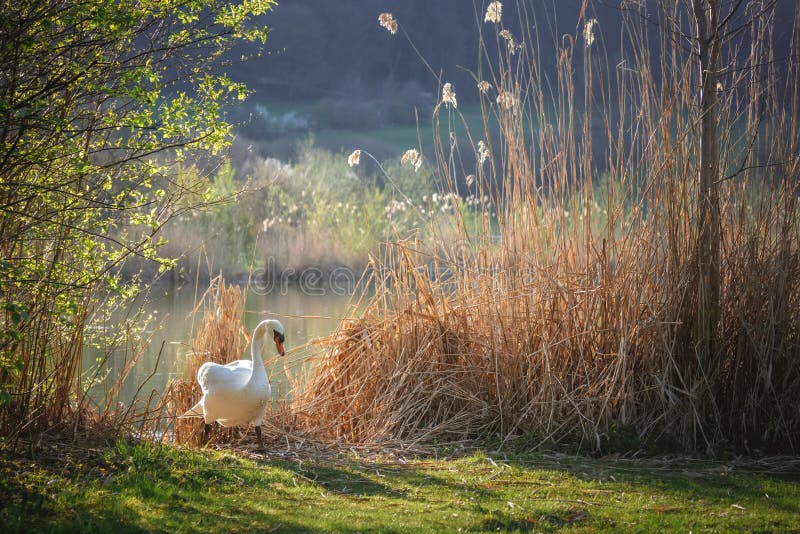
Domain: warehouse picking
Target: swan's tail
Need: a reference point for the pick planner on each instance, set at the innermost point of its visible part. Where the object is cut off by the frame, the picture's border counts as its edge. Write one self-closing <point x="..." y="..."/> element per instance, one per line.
<point x="194" y="411"/>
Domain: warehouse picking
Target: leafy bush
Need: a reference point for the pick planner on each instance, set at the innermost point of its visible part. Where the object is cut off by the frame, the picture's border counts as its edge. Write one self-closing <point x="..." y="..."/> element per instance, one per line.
<point x="91" y="115"/>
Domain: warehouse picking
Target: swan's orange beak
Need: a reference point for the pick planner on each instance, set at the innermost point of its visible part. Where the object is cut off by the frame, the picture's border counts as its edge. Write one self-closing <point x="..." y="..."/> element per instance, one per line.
<point x="279" y="346"/>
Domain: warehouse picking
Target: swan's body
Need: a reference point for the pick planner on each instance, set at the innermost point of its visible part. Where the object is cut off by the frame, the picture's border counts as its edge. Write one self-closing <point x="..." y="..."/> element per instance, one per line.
<point x="233" y="395"/>
<point x="236" y="394"/>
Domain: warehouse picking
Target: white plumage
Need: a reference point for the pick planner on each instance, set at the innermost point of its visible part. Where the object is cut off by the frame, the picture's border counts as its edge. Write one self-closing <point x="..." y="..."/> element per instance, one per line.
<point x="236" y="394"/>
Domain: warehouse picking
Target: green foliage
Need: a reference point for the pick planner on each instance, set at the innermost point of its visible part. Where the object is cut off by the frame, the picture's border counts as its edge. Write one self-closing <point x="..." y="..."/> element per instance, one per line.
<point x="95" y="97"/>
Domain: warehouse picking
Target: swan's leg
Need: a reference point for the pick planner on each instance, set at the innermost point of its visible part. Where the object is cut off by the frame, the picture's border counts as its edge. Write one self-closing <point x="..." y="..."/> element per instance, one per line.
<point x="206" y="432"/>
<point x="258" y="433"/>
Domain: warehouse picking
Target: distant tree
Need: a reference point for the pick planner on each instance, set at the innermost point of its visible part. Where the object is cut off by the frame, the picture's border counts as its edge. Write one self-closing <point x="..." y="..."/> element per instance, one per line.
<point x="707" y="28"/>
<point x="708" y="40"/>
<point x="716" y="23"/>
<point x="94" y="95"/>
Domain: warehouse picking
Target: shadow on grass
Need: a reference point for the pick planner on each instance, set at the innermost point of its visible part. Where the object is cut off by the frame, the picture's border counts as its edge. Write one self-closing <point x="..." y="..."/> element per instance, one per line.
<point x="341" y="480"/>
<point x="358" y="478"/>
<point x="37" y="497"/>
<point x="145" y="488"/>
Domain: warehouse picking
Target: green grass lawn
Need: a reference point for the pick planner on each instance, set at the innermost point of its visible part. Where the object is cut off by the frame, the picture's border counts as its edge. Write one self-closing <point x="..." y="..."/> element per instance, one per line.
<point x="134" y="488"/>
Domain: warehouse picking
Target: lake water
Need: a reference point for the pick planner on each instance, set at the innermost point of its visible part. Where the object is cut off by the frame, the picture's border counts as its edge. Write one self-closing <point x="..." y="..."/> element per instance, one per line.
<point x="306" y="316"/>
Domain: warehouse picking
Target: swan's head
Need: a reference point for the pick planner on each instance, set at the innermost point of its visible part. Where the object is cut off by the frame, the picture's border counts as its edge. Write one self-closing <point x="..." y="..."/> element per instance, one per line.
<point x="279" y="338"/>
<point x="277" y="333"/>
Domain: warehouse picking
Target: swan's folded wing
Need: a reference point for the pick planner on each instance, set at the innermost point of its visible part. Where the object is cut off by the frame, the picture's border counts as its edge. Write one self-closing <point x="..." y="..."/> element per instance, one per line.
<point x="240" y="364"/>
<point x="220" y="377"/>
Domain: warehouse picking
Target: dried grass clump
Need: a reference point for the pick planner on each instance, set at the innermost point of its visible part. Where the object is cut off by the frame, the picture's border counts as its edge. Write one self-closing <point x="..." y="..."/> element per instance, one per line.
<point x="221" y="338"/>
<point x="579" y="310"/>
<point x="479" y="354"/>
<point x="562" y="349"/>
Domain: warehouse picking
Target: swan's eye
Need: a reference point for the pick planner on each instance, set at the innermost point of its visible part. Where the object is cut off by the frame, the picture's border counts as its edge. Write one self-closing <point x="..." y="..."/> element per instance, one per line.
<point x="278" y="336"/>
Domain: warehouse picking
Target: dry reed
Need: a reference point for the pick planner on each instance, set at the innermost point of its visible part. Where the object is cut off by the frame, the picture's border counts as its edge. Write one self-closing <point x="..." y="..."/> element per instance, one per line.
<point x="220" y="338"/>
<point x="582" y="317"/>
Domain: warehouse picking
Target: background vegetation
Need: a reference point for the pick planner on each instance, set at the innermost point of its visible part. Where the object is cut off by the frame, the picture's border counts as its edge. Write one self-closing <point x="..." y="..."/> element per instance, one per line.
<point x="319" y="212"/>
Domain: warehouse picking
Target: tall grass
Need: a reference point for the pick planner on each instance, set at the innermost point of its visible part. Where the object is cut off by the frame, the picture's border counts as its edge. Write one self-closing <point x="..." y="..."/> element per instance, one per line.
<point x="43" y="391"/>
<point x="580" y="320"/>
<point x="54" y="391"/>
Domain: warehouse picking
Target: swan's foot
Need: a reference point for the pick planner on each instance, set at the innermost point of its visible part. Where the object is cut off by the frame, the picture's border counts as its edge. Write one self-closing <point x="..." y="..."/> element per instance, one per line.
<point x="206" y="432"/>
<point x="260" y="441"/>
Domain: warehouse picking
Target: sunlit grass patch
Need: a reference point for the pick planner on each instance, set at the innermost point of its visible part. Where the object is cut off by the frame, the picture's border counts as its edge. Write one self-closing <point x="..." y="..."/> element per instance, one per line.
<point x="145" y="487"/>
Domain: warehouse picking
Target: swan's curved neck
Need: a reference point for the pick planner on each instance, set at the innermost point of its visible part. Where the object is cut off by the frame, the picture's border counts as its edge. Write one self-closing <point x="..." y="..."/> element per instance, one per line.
<point x="258" y="372"/>
<point x="262" y="332"/>
<point x="255" y="350"/>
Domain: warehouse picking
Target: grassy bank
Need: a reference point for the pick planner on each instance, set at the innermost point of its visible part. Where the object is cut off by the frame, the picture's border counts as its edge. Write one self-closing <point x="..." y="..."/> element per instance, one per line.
<point x="131" y="488"/>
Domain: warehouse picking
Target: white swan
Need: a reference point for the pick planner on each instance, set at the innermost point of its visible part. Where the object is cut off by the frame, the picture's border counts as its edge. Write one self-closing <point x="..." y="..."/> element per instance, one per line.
<point x="237" y="393"/>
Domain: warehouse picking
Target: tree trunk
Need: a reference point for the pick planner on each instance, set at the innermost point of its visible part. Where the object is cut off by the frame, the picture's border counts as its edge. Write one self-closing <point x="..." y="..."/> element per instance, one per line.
<point x="706" y="14"/>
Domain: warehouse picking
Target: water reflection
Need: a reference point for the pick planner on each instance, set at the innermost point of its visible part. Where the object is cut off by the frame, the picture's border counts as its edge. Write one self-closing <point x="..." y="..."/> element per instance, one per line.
<point x="305" y="318"/>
